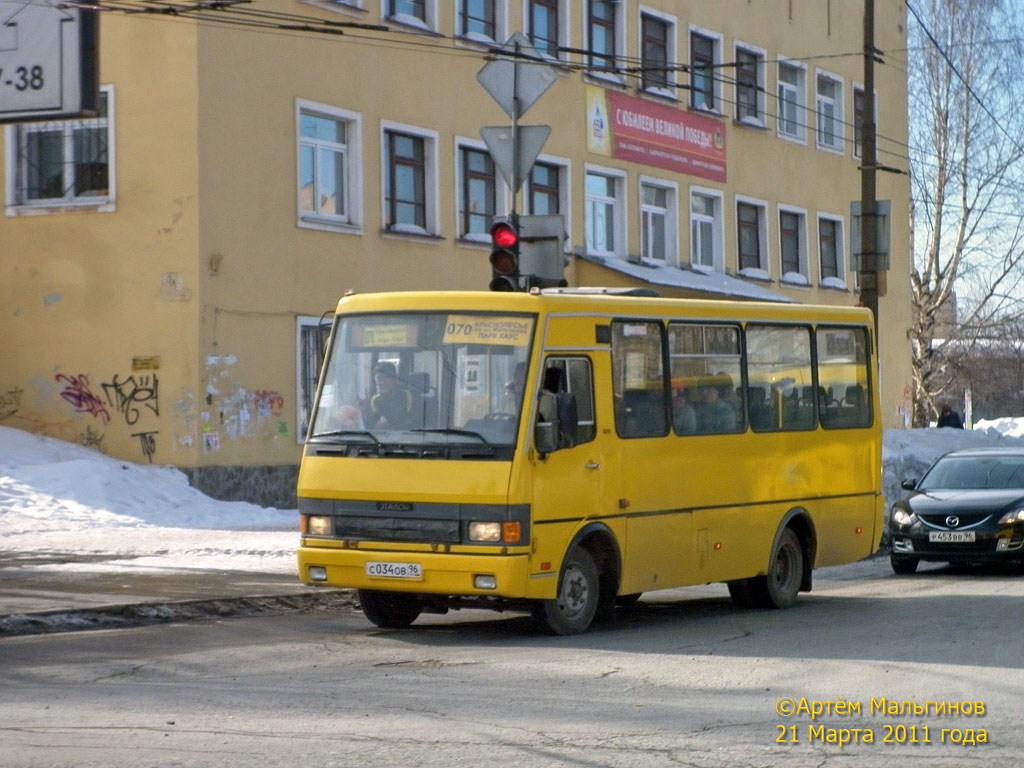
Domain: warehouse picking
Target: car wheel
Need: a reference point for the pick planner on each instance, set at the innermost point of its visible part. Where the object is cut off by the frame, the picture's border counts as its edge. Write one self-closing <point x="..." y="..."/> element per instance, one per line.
<point x="579" y="591"/>
<point x="903" y="565"/>
<point x="390" y="610"/>
<point x="785" y="573"/>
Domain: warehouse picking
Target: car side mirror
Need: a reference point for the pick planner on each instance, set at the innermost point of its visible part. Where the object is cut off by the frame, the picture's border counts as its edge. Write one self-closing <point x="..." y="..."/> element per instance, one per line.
<point x="909" y="484"/>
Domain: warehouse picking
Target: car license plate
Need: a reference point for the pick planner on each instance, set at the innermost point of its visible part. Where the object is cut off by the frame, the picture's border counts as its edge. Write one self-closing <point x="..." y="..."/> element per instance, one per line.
<point x="950" y="537"/>
<point x="394" y="570"/>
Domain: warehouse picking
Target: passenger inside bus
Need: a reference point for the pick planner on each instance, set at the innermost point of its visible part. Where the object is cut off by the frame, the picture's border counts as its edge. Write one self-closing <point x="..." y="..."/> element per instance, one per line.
<point x="391" y="406"/>
<point x="684" y="417"/>
<point x="714" y="414"/>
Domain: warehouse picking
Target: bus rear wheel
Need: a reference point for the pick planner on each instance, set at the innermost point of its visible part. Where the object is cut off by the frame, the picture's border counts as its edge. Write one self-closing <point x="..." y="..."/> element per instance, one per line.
<point x="390" y="610"/>
<point x="785" y="573"/>
<point x="579" y="591"/>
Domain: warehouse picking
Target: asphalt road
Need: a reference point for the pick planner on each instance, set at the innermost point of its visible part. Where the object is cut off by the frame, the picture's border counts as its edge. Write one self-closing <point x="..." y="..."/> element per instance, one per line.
<point x="685" y="679"/>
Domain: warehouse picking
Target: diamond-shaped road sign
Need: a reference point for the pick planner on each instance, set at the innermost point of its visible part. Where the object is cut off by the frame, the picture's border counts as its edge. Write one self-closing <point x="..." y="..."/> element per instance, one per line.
<point x="516" y="83"/>
<point x="500" y="140"/>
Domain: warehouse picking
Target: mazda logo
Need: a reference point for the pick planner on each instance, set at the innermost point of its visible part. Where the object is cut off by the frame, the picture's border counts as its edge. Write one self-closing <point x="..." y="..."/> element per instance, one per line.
<point x="952" y="521"/>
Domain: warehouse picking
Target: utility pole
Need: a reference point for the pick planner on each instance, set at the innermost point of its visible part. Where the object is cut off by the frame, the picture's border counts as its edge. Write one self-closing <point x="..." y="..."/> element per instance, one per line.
<point x="869" y="271"/>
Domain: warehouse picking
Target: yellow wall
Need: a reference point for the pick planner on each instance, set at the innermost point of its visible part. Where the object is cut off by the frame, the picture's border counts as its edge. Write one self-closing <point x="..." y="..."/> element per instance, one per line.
<point x="206" y="191"/>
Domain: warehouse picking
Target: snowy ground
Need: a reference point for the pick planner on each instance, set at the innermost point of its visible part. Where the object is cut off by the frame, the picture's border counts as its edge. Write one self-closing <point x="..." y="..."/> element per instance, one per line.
<point x="58" y="497"/>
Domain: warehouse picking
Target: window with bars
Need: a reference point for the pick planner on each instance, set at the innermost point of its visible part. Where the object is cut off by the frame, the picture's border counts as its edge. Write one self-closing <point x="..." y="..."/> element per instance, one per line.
<point x="312" y="335"/>
<point x="63" y="162"/>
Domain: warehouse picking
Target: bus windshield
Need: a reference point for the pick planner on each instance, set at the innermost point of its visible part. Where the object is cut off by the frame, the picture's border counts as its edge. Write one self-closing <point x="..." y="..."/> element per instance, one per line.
<point x="424" y="378"/>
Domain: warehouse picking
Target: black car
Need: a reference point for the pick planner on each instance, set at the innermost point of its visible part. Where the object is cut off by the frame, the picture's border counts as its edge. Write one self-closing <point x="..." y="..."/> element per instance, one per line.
<point x="969" y="507"/>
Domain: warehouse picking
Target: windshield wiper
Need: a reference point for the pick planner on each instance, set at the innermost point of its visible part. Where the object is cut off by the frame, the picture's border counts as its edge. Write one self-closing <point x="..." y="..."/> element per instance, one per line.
<point x="462" y="432"/>
<point x="346" y="432"/>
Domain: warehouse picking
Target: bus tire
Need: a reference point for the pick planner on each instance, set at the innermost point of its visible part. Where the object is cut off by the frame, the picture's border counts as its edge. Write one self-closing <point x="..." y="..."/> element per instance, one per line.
<point x="785" y="573"/>
<point x="390" y="610"/>
<point x="579" y="591"/>
<point x="903" y="565"/>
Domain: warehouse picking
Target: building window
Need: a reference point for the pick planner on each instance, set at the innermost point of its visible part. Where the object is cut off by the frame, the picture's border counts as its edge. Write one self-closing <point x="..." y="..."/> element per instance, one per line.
<point x="830" y="251"/>
<point x="328" y="170"/>
<point x="793" y="246"/>
<point x="477" y="192"/>
<point x="543" y="24"/>
<point x="703" y="57"/>
<point x="858" y="122"/>
<point x="63" y="162"/>
<point x="751" y="238"/>
<point x="706" y="230"/>
<point x="416" y="13"/>
<point x="656" y="35"/>
<point x="791" y="101"/>
<point x="658" y="221"/>
<point x="543" y="190"/>
<point x="311" y="340"/>
<point x="602" y="33"/>
<point x="477" y="19"/>
<point x="603" y="213"/>
<point x="409" y="180"/>
<point x="830" y="113"/>
<point x="749" y="86"/>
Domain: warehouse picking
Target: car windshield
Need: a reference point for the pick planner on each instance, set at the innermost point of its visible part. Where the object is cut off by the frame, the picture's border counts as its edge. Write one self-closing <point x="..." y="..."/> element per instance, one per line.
<point x="424" y="378"/>
<point x="964" y="472"/>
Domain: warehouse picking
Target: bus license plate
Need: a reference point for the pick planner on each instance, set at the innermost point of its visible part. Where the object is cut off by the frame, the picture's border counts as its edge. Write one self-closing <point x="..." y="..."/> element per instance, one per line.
<point x="394" y="570"/>
<point x="951" y="537"/>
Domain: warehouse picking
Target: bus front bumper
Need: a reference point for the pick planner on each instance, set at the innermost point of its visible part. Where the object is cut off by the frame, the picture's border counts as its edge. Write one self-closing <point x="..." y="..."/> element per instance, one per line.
<point x="423" y="572"/>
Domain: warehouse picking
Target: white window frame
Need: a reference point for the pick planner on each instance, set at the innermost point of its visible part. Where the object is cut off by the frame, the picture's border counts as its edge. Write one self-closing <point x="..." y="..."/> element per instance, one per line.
<point x="347" y="7"/>
<point x="564" y="191"/>
<point x="800" y="119"/>
<point x="429" y="25"/>
<point x="352" y="220"/>
<point x="840" y="281"/>
<point x="803" y="277"/>
<point x="301" y="322"/>
<point x="17" y="205"/>
<point x="564" y="28"/>
<point x="820" y="103"/>
<point x="671" y="212"/>
<point x="856" y="86"/>
<point x="716" y="77"/>
<point x="500" y="25"/>
<point x="761" y="54"/>
<point x="501" y="201"/>
<point x="763" y="270"/>
<point x="717" y="229"/>
<point x="431" y="183"/>
<point x="619" y="204"/>
<point x="620" y="40"/>
<point x="671" y="48"/>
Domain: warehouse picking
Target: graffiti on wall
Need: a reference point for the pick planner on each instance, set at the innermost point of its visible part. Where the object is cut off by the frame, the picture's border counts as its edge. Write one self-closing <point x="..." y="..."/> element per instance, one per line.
<point x="148" y="443"/>
<point x="10" y="402"/>
<point x="76" y="391"/>
<point x="126" y="395"/>
<point x="91" y="438"/>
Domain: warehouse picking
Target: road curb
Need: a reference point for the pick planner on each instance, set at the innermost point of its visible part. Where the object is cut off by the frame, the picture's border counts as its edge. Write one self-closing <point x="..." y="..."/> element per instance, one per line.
<point x="142" y="614"/>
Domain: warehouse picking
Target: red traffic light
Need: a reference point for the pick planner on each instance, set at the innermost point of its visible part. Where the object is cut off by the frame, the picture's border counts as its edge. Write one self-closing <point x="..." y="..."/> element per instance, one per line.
<point x="503" y="235"/>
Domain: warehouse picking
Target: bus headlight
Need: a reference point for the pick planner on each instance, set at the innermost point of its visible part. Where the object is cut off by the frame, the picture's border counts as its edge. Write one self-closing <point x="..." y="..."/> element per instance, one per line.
<point x="321" y="525"/>
<point x="485" y="531"/>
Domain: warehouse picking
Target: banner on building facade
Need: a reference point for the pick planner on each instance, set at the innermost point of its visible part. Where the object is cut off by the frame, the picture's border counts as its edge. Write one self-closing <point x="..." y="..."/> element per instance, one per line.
<point x="628" y="128"/>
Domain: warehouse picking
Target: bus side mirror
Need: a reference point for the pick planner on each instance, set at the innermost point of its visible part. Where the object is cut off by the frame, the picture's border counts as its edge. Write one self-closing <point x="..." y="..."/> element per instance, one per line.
<point x="558" y="422"/>
<point x="545" y="436"/>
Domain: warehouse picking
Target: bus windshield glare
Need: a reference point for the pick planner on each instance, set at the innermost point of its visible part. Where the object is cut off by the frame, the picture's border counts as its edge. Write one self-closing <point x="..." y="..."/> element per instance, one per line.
<point x="425" y="378"/>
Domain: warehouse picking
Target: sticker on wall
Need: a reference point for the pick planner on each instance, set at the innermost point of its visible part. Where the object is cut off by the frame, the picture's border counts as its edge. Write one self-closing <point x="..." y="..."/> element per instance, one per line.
<point x="282" y="428"/>
<point x="211" y="440"/>
<point x="146" y="363"/>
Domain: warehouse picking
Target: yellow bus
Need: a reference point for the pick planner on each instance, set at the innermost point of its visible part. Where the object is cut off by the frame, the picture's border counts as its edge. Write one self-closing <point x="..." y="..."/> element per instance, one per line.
<point x="564" y="451"/>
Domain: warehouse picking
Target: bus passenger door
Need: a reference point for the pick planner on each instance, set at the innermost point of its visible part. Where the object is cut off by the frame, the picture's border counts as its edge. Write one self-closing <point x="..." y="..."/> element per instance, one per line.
<point x="572" y="484"/>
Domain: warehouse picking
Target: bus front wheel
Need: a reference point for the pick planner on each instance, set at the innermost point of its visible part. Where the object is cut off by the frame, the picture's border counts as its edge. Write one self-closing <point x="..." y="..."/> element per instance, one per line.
<point x="390" y="610"/>
<point x="579" y="591"/>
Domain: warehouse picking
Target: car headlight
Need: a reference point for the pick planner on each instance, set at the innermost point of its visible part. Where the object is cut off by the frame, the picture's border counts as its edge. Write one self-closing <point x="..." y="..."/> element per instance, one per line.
<point x="901" y="516"/>
<point x="1011" y="518"/>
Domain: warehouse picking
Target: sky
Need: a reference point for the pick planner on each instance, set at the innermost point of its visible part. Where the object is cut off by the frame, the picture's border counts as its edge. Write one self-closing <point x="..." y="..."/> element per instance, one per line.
<point x="61" y="497"/>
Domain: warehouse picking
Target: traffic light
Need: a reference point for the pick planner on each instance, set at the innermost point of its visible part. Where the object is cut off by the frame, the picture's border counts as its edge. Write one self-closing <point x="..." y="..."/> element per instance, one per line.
<point x="505" y="254"/>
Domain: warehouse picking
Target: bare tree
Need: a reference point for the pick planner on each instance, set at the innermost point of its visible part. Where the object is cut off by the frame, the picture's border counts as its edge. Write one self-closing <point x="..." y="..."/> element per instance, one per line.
<point x="967" y="183"/>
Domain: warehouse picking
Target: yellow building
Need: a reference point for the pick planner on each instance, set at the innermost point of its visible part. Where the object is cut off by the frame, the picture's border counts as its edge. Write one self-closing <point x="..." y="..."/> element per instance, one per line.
<point x="167" y="264"/>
